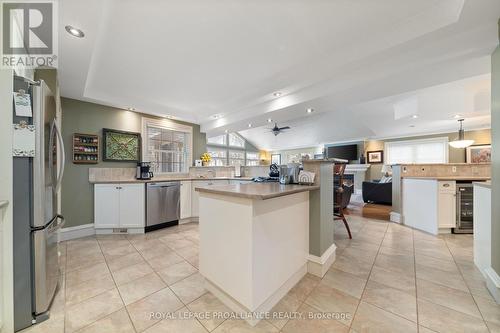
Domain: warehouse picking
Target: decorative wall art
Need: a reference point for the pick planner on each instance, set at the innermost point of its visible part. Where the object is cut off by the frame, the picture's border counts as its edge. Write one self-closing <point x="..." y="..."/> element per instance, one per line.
<point x="376" y="156"/>
<point x="121" y="146"/>
<point x="478" y="154"/>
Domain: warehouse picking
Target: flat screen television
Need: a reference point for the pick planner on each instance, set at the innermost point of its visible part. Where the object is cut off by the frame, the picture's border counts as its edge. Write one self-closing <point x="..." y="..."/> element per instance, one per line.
<point x="346" y="152"/>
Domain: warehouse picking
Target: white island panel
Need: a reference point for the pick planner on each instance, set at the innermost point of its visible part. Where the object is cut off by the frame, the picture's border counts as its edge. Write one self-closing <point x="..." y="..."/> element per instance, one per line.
<point x="252" y="252"/>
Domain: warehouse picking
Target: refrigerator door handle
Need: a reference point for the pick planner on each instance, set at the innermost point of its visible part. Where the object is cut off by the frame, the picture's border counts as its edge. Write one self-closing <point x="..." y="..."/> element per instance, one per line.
<point x="63" y="157"/>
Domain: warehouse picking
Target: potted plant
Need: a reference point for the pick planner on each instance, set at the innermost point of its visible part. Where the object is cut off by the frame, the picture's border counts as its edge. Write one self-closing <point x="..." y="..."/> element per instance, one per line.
<point x="205" y="159"/>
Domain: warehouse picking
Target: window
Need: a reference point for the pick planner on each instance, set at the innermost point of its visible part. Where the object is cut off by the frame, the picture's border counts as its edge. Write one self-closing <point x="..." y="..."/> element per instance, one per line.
<point x="218" y="140"/>
<point x="167" y="145"/>
<point x="252" y="158"/>
<point x="237" y="157"/>
<point x="236" y="141"/>
<point x="229" y="149"/>
<point x="417" y="151"/>
<point x="219" y="156"/>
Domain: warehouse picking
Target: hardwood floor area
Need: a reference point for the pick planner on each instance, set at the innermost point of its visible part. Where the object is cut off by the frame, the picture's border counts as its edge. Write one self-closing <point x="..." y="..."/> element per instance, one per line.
<point x="369" y="210"/>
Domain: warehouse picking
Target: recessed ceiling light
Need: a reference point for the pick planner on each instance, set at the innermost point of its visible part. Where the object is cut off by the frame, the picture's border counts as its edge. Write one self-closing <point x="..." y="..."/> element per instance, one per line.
<point x="168" y="116"/>
<point x="415" y="116"/>
<point x="310" y="110"/>
<point x="74" y="31"/>
<point x="216" y="116"/>
<point x="457" y="116"/>
<point x="249" y="125"/>
<point x="277" y="94"/>
<point x="226" y="131"/>
<point x="131" y="109"/>
<point x="269" y="120"/>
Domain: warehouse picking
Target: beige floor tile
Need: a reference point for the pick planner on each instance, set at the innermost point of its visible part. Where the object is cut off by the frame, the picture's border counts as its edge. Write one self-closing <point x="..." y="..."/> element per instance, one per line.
<point x="305" y="286"/>
<point x="140" y="288"/>
<point x="447" y="279"/>
<point x="77" y="262"/>
<point x="402" y="281"/>
<point x="422" y="329"/>
<point x="176" y="272"/>
<point x="241" y="326"/>
<point x="131" y="273"/>
<point x="195" y="261"/>
<point x="353" y="265"/>
<point x="443" y="254"/>
<point x="210" y="304"/>
<point x="311" y="321"/>
<point x="86" y="273"/>
<point x="117" y="322"/>
<point x="190" y="288"/>
<point x="115" y="253"/>
<point x="91" y="310"/>
<point x="489" y="309"/>
<point x="370" y="318"/>
<point x="142" y="312"/>
<point x="328" y="299"/>
<point x="494" y="328"/>
<point x="180" y="243"/>
<point x="89" y="289"/>
<point x="345" y="282"/>
<point x="177" y="325"/>
<point x="391" y="251"/>
<point x="397" y="263"/>
<point x="124" y="261"/>
<point x="286" y="305"/>
<point x="170" y="237"/>
<point x="392" y="300"/>
<point x="434" y="263"/>
<point x="449" y="297"/>
<point x="442" y="319"/>
<point x="189" y="251"/>
<point x="155" y="251"/>
<point x="165" y="260"/>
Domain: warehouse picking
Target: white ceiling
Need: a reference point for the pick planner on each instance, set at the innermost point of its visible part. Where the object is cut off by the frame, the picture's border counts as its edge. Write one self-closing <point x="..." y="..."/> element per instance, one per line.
<point x="195" y="58"/>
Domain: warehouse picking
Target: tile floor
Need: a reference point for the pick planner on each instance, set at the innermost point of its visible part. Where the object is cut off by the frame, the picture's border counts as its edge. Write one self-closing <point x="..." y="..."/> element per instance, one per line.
<point x="389" y="278"/>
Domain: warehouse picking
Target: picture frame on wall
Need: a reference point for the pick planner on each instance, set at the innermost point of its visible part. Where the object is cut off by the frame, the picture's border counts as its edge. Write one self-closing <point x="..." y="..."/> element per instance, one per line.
<point x="478" y="154"/>
<point x="375" y="156"/>
<point x="121" y="146"/>
<point x="276" y="159"/>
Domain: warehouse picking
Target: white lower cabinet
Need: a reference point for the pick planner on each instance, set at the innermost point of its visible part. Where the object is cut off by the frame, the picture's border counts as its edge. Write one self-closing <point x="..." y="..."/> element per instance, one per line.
<point x="447" y="204"/>
<point x="195" y="196"/>
<point x="119" y="206"/>
<point x="185" y="199"/>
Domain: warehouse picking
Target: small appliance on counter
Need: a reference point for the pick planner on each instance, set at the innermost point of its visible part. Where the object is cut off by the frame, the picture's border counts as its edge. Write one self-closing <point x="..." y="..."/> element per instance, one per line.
<point x="143" y="171"/>
<point x="198" y="163"/>
<point x="293" y="172"/>
<point x="284" y="176"/>
<point x="274" y="171"/>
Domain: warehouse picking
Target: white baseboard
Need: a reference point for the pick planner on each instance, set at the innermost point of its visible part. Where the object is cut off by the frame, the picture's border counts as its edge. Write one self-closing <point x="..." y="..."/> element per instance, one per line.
<point x="320" y="265"/>
<point x="395" y="217"/>
<point x="268" y="304"/>
<point x="79" y="231"/>
<point x="493" y="283"/>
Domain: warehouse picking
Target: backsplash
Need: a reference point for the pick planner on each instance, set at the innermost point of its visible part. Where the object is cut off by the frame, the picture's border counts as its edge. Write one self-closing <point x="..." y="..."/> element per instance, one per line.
<point x="445" y="170"/>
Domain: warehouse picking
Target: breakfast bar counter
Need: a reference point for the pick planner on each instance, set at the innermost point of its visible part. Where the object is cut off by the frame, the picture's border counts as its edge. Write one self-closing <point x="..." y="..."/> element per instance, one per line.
<point x="254" y="243"/>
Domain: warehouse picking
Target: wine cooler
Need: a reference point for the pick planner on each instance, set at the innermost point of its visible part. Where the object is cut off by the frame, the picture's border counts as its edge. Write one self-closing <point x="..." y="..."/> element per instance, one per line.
<point x="465" y="209"/>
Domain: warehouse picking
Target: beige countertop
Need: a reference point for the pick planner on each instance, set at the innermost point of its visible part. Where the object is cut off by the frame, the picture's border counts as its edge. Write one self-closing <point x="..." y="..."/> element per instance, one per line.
<point x="483" y="184"/>
<point x="160" y="179"/>
<point x="260" y="191"/>
<point x="451" y="178"/>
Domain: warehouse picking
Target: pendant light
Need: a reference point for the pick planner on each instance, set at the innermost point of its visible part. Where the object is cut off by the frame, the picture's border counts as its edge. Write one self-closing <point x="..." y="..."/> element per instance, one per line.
<point x="461" y="142"/>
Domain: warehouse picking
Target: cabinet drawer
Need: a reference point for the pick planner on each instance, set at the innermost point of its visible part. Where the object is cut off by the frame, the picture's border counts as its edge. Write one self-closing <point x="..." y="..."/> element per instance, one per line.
<point x="447" y="186"/>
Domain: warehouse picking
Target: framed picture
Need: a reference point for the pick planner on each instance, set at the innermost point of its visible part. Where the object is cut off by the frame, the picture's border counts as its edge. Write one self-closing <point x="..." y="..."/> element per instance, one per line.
<point x="276" y="159"/>
<point x="478" y="154"/>
<point x="374" y="157"/>
<point x="121" y="146"/>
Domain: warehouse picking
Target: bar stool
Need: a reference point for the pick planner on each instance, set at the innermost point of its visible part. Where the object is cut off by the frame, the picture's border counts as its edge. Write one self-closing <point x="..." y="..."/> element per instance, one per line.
<point x="338" y="190"/>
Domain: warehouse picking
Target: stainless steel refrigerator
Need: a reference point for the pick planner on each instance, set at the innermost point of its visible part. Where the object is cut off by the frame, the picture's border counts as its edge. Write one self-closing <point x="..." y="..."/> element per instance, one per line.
<point x="35" y="206"/>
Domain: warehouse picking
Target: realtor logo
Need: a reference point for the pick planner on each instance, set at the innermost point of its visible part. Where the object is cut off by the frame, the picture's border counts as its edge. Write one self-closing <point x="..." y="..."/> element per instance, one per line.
<point x="29" y="37"/>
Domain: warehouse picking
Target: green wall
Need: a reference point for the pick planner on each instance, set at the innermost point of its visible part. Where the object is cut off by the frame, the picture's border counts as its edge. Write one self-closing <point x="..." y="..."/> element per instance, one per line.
<point x="84" y="117"/>
<point x="495" y="165"/>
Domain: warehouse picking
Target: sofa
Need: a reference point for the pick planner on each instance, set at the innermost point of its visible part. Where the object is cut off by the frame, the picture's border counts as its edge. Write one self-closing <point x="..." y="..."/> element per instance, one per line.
<point x="377" y="192"/>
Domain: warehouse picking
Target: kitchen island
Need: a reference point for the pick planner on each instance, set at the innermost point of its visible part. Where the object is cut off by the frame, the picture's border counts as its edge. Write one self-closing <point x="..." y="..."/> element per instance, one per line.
<point x="254" y="243"/>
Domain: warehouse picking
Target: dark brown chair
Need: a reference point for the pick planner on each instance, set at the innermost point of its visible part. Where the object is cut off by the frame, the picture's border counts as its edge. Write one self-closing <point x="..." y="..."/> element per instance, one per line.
<point x="338" y="189"/>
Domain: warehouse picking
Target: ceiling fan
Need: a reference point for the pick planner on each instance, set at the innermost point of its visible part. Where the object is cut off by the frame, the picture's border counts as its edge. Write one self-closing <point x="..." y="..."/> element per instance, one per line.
<point x="277" y="130"/>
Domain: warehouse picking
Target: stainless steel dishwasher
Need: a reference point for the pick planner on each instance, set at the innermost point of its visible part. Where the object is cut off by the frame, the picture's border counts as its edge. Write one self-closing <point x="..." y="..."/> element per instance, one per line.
<point x="162" y="204"/>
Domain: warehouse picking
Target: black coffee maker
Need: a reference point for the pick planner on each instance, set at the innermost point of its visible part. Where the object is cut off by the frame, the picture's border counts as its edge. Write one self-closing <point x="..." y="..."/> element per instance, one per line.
<point x="143" y="172"/>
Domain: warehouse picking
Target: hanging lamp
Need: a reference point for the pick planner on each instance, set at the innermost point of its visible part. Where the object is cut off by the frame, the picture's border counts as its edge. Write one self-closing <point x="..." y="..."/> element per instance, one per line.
<point x="460" y="142"/>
